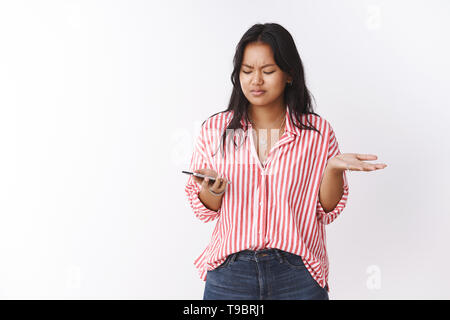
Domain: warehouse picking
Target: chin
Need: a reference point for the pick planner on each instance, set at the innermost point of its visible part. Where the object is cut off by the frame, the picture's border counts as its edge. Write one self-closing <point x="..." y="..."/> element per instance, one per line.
<point x="259" y="102"/>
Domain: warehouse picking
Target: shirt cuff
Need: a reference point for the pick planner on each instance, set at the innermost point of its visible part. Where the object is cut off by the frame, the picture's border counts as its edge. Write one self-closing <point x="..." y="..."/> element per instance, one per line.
<point x="200" y="210"/>
<point x="328" y="217"/>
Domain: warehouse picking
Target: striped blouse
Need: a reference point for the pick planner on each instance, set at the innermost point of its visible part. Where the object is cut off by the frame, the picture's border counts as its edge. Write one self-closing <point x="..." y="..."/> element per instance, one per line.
<point x="274" y="204"/>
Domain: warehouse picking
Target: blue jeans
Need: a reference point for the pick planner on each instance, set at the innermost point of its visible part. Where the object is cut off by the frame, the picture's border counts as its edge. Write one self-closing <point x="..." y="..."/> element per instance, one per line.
<point x="269" y="274"/>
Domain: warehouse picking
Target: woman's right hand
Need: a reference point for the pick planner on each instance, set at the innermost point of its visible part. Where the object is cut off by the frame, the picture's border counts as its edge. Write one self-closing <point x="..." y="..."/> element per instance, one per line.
<point x="217" y="186"/>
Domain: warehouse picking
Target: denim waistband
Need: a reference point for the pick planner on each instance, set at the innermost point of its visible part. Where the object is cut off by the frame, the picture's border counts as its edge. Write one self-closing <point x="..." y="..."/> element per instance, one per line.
<point x="258" y="255"/>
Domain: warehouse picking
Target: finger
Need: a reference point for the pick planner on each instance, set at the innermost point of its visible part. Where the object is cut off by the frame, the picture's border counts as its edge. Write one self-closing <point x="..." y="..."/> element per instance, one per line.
<point x="201" y="171"/>
<point x="355" y="168"/>
<point x="223" y="183"/>
<point x="217" y="183"/>
<point x="205" y="183"/>
<point x="375" y="166"/>
<point x="372" y="167"/>
<point x="364" y="156"/>
<point x="352" y="167"/>
<point x="369" y="167"/>
<point x="198" y="179"/>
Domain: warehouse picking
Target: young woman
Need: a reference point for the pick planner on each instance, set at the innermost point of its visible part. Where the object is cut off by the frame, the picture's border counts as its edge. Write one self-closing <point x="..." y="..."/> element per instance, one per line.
<point x="288" y="178"/>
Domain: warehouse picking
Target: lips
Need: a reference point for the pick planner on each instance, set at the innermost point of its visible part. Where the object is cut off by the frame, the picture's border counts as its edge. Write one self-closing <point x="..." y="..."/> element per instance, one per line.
<point x="257" y="92"/>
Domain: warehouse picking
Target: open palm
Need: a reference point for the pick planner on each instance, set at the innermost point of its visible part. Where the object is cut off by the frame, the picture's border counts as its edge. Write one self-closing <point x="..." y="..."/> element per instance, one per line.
<point x="355" y="162"/>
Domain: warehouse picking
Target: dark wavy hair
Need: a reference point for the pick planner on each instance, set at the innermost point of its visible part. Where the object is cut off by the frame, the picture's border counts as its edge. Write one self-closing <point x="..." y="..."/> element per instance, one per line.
<point x="296" y="96"/>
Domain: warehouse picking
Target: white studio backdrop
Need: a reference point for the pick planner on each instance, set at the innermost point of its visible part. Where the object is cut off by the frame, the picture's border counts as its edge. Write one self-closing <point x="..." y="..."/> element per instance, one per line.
<point x="100" y="102"/>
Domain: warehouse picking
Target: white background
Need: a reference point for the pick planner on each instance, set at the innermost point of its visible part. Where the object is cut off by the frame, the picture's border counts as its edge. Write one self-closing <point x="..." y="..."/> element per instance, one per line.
<point x="100" y="102"/>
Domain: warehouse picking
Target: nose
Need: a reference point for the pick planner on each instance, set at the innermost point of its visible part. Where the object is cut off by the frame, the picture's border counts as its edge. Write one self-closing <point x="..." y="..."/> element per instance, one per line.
<point x="257" y="79"/>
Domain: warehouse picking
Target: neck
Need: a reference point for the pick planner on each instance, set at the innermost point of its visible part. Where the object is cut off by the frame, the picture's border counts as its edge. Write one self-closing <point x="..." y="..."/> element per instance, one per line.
<point x="267" y="116"/>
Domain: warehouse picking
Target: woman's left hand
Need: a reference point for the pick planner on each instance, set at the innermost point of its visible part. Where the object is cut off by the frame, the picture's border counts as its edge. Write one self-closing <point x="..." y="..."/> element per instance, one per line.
<point x="354" y="162"/>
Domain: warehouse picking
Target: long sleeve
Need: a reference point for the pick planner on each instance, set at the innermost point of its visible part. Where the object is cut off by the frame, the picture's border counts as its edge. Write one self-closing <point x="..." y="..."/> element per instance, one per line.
<point x="199" y="160"/>
<point x="328" y="217"/>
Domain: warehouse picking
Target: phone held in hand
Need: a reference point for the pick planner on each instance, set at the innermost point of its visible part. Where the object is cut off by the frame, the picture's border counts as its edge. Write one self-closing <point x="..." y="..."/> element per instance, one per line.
<point x="201" y="176"/>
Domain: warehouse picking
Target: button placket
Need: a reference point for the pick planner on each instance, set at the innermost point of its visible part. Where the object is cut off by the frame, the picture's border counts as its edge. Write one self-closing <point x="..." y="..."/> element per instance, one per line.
<point x="256" y="212"/>
<point x="262" y="196"/>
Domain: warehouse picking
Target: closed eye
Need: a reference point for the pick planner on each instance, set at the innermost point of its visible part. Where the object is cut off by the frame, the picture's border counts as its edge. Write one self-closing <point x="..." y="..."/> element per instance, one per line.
<point x="264" y="72"/>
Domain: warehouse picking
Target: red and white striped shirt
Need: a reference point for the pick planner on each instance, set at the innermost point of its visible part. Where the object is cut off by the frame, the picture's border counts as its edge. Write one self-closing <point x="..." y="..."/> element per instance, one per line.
<point x="270" y="205"/>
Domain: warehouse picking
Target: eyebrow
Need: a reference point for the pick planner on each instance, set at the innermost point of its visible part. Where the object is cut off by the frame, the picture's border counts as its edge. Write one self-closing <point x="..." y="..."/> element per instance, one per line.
<point x="266" y="65"/>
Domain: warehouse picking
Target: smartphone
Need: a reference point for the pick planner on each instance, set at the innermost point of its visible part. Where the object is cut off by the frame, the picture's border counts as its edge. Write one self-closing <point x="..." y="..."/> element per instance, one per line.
<point x="202" y="176"/>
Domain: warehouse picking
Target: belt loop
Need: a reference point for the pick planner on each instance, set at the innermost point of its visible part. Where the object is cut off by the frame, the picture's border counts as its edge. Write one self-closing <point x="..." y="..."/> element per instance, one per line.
<point x="280" y="258"/>
<point x="233" y="258"/>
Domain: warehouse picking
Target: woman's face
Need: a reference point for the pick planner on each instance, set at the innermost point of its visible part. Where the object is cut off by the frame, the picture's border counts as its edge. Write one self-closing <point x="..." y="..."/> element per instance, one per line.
<point x="260" y="72"/>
